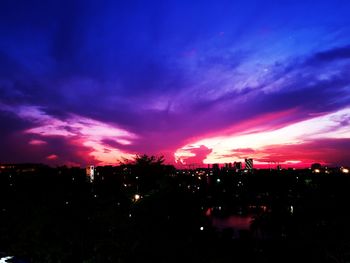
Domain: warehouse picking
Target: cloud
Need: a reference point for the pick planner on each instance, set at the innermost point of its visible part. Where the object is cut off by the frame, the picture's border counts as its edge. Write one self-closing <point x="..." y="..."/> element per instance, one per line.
<point x="194" y="155"/>
<point x="329" y="151"/>
<point x="243" y="151"/>
<point x="75" y="129"/>
<point x="52" y="157"/>
<point x="113" y="77"/>
<point x="264" y="145"/>
<point x="37" y="142"/>
<point x="338" y="53"/>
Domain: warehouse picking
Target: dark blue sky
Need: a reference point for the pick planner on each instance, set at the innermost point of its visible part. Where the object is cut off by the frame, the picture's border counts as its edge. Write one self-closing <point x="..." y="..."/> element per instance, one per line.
<point x="94" y="81"/>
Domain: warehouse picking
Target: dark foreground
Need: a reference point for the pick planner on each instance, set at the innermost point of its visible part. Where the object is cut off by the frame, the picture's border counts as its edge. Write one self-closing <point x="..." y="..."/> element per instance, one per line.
<point x="58" y="215"/>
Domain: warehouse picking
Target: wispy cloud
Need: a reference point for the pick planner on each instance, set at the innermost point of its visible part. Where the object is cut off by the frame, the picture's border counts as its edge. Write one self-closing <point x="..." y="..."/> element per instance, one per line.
<point x="263" y="145"/>
<point x="87" y="132"/>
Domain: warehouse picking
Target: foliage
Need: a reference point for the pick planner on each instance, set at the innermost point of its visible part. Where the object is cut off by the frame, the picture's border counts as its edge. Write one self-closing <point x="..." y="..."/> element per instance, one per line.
<point x="147" y="172"/>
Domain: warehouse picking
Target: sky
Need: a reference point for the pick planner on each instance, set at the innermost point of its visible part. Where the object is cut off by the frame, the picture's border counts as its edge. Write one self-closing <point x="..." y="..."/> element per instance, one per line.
<point x="200" y="82"/>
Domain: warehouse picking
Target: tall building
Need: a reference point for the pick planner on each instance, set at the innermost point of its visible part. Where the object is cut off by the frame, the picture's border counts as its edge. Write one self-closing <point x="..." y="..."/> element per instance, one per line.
<point x="238" y="165"/>
<point x="249" y="163"/>
<point x="90" y="172"/>
<point x="216" y="167"/>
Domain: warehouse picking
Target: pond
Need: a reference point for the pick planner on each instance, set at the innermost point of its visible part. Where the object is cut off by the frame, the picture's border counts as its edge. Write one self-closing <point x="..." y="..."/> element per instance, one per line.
<point x="236" y="222"/>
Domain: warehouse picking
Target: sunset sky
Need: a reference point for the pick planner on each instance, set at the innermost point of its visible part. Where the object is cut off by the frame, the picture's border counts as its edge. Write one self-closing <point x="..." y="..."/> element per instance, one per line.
<point x="93" y="82"/>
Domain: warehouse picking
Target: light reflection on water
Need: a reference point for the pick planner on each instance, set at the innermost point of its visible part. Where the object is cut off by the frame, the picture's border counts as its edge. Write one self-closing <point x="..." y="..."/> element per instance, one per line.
<point x="237" y="222"/>
<point x="233" y="221"/>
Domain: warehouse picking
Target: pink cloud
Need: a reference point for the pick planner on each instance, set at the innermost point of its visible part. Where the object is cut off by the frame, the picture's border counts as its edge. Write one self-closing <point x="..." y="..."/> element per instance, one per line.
<point x="195" y="156"/>
<point x="80" y="132"/>
<point x="52" y="157"/>
<point x="37" y="142"/>
<point x="294" y="144"/>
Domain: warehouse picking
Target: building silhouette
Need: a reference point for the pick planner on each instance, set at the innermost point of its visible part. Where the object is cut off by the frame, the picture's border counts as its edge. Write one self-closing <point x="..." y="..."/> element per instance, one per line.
<point x="238" y="165"/>
<point x="249" y="163"/>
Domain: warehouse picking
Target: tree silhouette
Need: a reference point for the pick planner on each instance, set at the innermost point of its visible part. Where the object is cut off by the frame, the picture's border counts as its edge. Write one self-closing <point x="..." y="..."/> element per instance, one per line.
<point x="145" y="160"/>
<point x="145" y="172"/>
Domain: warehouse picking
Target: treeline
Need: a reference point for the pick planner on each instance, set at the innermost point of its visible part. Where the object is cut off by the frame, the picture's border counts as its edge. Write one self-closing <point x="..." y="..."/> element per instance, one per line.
<point x="58" y="215"/>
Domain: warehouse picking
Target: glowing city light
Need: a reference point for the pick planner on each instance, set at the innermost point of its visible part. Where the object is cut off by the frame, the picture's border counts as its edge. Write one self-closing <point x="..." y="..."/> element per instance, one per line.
<point x="90" y="173"/>
<point x="5" y="259"/>
<point x="345" y="170"/>
<point x="137" y="197"/>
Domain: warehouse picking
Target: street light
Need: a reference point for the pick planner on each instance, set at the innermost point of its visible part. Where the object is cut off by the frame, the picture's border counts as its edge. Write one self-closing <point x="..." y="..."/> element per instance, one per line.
<point x="137" y="197"/>
<point x="345" y="170"/>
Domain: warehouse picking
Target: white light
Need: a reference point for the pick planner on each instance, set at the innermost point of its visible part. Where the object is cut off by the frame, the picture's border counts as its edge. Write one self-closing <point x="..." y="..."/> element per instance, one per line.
<point x="218" y="180"/>
<point x="4" y="259"/>
<point x="201" y="228"/>
<point x="345" y="170"/>
<point x="137" y="197"/>
<point x="90" y="172"/>
<point x="317" y="171"/>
